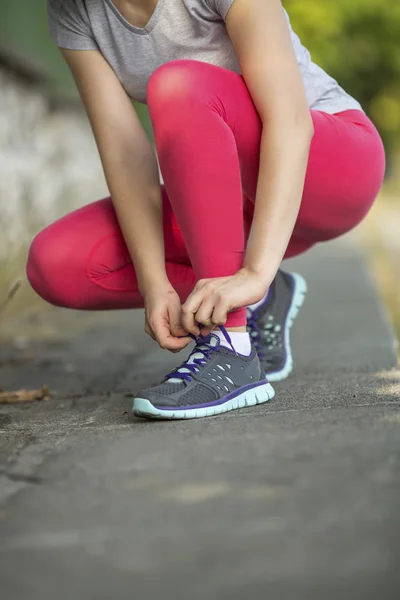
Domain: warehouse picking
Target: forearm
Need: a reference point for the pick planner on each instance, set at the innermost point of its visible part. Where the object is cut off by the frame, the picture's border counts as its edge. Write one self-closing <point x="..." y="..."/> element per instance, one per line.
<point x="283" y="164"/>
<point x="134" y="184"/>
<point x="129" y="162"/>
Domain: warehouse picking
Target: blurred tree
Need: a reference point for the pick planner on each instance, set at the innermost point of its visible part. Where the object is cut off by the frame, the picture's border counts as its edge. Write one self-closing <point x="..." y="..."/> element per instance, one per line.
<point x="24" y="32"/>
<point x="357" y="42"/>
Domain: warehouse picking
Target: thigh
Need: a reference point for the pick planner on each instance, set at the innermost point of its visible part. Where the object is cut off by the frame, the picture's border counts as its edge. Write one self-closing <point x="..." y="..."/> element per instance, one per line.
<point x="81" y="260"/>
<point x="109" y="264"/>
<point x="344" y="175"/>
<point x="345" y="172"/>
<point x="346" y="163"/>
<point x="92" y="234"/>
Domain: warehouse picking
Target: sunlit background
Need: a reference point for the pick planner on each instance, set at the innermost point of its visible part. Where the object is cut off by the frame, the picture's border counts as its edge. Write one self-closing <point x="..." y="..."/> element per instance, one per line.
<point x="49" y="165"/>
<point x="295" y="499"/>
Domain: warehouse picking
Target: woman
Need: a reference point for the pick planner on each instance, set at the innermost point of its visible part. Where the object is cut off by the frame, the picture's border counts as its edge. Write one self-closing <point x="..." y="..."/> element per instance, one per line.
<point x="262" y="154"/>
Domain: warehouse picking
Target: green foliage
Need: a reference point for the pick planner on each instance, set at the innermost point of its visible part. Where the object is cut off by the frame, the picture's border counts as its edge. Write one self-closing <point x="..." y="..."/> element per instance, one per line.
<point x="357" y="42"/>
<point x="24" y="30"/>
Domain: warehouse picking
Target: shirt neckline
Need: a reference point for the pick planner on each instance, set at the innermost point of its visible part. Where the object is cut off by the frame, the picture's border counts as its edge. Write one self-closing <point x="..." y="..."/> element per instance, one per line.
<point x="138" y="30"/>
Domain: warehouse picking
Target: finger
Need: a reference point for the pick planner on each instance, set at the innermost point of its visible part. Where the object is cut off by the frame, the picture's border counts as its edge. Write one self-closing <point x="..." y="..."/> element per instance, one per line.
<point x="220" y="314"/>
<point x="168" y="341"/>
<point x="174" y="344"/>
<point x="204" y="313"/>
<point x="149" y="331"/>
<point x="189" y="309"/>
<point x="183" y="343"/>
<point x="206" y="330"/>
<point x="160" y="328"/>
<point x="175" y="324"/>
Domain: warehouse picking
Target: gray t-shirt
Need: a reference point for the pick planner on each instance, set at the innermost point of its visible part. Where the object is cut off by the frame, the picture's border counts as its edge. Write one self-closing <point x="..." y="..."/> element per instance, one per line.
<point x="178" y="29"/>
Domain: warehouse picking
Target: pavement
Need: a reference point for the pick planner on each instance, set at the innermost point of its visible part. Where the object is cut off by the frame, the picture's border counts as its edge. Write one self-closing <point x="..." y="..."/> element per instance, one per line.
<point x="296" y="499"/>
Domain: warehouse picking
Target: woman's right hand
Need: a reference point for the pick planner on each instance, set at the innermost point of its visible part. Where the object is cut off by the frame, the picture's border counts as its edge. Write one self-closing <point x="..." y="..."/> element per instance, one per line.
<point x="163" y="318"/>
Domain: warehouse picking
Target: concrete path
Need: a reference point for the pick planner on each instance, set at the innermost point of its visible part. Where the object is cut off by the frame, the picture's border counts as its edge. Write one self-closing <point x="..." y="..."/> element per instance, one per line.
<point x="298" y="499"/>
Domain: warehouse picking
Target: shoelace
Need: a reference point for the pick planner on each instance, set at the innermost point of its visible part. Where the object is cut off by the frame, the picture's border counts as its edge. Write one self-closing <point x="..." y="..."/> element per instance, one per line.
<point x="254" y="331"/>
<point x="198" y="357"/>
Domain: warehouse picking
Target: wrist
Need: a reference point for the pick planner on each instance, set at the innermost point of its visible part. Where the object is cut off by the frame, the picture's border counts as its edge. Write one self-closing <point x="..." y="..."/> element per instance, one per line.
<point x="150" y="284"/>
<point x="263" y="276"/>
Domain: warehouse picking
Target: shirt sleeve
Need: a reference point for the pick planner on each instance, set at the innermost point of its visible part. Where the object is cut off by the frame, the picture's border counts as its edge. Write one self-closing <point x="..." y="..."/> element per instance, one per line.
<point x="70" y="25"/>
<point x="220" y="7"/>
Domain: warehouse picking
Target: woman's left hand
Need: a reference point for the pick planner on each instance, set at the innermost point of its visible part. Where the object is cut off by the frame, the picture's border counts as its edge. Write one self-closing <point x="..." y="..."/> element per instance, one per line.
<point x="212" y="299"/>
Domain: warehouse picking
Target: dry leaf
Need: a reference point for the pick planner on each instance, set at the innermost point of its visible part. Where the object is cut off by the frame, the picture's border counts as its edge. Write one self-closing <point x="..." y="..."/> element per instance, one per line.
<point x="25" y="396"/>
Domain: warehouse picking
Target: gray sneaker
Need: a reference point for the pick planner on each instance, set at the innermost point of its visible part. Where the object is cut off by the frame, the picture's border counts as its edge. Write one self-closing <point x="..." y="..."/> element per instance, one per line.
<point x="213" y="380"/>
<point x="269" y="325"/>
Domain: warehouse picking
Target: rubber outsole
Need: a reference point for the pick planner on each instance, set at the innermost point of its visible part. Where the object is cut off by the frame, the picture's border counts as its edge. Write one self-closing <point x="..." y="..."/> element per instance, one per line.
<point x="300" y="291"/>
<point x="257" y="395"/>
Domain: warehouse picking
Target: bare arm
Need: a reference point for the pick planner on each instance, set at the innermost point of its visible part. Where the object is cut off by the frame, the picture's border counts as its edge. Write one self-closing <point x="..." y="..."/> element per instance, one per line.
<point x="261" y="39"/>
<point x="262" y="43"/>
<point x="129" y="163"/>
<point x="131" y="170"/>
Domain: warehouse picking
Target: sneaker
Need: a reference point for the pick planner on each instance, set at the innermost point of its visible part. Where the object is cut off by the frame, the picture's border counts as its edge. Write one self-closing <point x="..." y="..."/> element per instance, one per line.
<point x="269" y="325"/>
<point x="213" y="380"/>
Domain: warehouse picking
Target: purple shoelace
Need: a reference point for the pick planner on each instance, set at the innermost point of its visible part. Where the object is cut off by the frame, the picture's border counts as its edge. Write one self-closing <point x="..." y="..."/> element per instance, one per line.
<point x="204" y="347"/>
<point x="255" y="332"/>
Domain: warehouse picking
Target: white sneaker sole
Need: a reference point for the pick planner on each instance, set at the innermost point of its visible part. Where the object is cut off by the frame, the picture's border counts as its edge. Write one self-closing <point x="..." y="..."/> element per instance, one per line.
<point x="257" y="395"/>
<point x="300" y="291"/>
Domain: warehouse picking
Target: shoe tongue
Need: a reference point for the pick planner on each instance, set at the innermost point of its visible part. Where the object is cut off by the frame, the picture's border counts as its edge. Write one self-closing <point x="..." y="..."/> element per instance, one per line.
<point x="211" y="340"/>
<point x="202" y="343"/>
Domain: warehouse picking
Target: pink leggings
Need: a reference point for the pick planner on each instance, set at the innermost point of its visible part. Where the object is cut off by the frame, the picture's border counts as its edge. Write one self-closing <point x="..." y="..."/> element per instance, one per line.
<point x="207" y="132"/>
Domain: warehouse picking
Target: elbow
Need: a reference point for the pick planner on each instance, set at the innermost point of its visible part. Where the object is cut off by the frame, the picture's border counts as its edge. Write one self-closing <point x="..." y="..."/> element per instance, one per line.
<point x="303" y="130"/>
<point x="304" y="125"/>
<point x="297" y="123"/>
<point x="309" y="127"/>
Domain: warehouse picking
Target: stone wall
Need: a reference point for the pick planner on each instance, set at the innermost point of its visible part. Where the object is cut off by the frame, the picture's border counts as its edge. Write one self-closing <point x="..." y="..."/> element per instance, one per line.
<point x="49" y="165"/>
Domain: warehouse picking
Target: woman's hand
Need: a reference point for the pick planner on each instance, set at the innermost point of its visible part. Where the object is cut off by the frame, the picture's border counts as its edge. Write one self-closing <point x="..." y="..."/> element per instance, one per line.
<point x="163" y="318"/>
<point x="211" y="299"/>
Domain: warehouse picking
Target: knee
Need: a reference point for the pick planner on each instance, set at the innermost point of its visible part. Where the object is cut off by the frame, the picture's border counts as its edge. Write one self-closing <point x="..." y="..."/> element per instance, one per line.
<point x="174" y="85"/>
<point x="46" y="269"/>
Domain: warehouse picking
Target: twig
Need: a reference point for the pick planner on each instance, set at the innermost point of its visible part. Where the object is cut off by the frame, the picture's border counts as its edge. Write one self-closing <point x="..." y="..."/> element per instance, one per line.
<point x="10" y="294"/>
<point x="25" y="396"/>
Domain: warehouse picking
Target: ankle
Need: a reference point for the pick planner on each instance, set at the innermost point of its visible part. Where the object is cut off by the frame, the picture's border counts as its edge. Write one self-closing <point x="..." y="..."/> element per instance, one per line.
<point x="239" y="329"/>
<point x="239" y="340"/>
